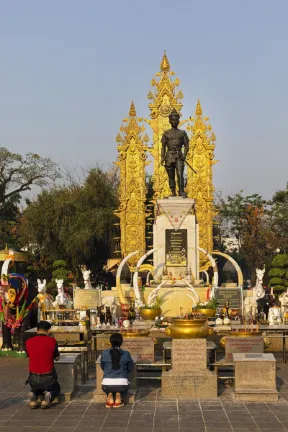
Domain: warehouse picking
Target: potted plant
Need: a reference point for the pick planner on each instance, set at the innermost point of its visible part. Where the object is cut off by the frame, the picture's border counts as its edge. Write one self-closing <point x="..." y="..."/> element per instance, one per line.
<point x="208" y="309"/>
<point x="151" y="311"/>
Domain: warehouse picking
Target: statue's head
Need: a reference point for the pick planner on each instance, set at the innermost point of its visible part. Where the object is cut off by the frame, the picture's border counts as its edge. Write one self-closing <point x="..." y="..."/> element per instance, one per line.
<point x="41" y="285"/>
<point x="174" y="118"/>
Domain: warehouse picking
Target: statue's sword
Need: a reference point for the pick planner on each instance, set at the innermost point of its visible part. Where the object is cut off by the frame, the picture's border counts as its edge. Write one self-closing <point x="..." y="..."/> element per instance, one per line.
<point x="190" y="167"/>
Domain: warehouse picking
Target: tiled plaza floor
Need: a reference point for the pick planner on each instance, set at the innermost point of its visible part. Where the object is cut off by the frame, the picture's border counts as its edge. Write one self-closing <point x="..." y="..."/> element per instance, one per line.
<point x="150" y="413"/>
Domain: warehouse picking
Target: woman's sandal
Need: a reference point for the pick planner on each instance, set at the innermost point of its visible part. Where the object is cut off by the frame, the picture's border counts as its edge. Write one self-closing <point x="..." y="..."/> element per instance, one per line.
<point x="109" y="405"/>
<point x="118" y="405"/>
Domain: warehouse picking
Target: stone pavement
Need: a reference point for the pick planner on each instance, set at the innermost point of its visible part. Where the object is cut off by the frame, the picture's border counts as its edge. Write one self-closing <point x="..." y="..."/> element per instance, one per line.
<point x="150" y="413"/>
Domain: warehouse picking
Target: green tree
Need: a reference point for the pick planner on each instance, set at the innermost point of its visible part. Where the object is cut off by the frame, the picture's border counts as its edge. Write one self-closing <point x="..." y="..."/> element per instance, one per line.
<point x="278" y="273"/>
<point x="246" y="220"/>
<point x="18" y="173"/>
<point x="10" y="217"/>
<point x="279" y="217"/>
<point x="74" y="222"/>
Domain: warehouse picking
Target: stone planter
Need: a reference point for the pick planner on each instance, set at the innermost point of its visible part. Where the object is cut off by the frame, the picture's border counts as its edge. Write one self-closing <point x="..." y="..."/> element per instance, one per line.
<point x="150" y="314"/>
<point x="186" y="329"/>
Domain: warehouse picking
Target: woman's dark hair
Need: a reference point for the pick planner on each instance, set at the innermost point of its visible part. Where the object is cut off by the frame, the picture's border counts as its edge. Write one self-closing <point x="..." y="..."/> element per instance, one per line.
<point x="43" y="325"/>
<point x="116" y="341"/>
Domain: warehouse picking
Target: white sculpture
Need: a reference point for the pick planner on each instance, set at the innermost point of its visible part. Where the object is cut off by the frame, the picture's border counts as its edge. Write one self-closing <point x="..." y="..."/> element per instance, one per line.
<point x="62" y="299"/>
<point x="274" y="316"/>
<point x="258" y="292"/>
<point x="283" y="298"/>
<point x="86" y="277"/>
<point x="45" y="301"/>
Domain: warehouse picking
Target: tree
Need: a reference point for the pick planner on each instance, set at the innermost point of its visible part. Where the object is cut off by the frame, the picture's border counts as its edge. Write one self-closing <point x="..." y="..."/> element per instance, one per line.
<point x="278" y="274"/>
<point x="10" y="217"/>
<point x="279" y="217"/>
<point x="74" y="222"/>
<point x="245" y="223"/>
<point x="18" y="173"/>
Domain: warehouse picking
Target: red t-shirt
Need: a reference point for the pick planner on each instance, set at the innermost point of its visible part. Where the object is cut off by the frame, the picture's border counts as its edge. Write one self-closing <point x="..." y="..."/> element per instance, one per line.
<point x="41" y="351"/>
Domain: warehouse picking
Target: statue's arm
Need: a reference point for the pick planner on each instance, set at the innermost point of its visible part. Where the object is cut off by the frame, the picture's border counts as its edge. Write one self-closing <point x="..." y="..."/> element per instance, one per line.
<point x="186" y="145"/>
<point x="163" y="149"/>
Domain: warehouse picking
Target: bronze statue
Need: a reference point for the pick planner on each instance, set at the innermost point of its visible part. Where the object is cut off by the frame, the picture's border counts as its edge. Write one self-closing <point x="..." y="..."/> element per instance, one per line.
<point x="173" y="140"/>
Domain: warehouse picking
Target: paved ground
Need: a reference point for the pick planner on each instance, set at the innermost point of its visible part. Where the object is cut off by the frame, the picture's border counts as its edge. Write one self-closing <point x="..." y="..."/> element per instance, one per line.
<point x="150" y="413"/>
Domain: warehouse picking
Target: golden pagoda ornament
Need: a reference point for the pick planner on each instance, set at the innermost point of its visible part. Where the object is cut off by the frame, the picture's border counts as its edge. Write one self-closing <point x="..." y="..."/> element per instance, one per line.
<point x="199" y="183"/>
<point x="132" y="155"/>
<point x="163" y="101"/>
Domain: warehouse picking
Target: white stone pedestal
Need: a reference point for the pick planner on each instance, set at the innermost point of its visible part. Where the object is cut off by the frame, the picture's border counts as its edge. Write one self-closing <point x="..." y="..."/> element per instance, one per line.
<point x="255" y="377"/>
<point x="176" y="214"/>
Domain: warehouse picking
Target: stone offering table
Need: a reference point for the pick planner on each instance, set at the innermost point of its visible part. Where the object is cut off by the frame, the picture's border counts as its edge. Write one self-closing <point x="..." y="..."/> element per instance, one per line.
<point x="255" y="377"/>
<point x="242" y="345"/>
<point x="142" y="347"/>
<point x="99" y="395"/>
<point x="66" y="368"/>
<point x="189" y="376"/>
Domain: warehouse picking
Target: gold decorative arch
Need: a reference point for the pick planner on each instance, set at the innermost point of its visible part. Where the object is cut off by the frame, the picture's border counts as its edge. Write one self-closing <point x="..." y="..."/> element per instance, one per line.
<point x="146" y="267"/>
<point x="235" y="264"/>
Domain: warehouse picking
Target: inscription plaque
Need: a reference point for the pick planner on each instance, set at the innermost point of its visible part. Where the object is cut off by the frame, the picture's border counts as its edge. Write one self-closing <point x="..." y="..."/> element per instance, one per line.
<point x="87" y="299"/>
<point x="176" y="248"/>
<point x="234" y="295"/>
<point x="142" y="347"/>
<point x="243" y="345"/>
<point x="189" y="354"/>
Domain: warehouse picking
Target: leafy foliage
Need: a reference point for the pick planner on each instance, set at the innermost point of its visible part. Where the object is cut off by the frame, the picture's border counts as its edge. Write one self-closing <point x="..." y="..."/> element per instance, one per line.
<point x="211" y="304"/>
<point x="276" y="272"/>
<point x="18" y="173"/>
<point x="275" y="281"/>
<point x="74" y="222"/>
<point x="244" y="230"/>
<point x="280" y="260"/>
<point x="278" y="289"/>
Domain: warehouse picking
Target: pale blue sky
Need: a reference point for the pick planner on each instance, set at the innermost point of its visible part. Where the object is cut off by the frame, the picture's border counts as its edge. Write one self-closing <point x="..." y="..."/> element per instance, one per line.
<point x="69" y="70"/>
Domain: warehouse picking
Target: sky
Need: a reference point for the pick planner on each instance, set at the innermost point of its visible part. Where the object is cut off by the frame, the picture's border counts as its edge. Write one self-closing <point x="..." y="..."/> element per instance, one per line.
<point x="70" y="68"/>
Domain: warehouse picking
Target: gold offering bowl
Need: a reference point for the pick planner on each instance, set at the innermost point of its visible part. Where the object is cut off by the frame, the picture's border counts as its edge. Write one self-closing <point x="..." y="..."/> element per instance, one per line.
<point x="186" y="329"/>
<point x="244" y="334"/>
<point x="150" y="314"/>
<point x="132" y="334"/>
<point x="208" y="313"/>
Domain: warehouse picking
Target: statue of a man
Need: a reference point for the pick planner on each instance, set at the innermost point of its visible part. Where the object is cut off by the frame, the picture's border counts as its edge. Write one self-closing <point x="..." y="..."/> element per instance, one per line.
<point x="172" y="156"/>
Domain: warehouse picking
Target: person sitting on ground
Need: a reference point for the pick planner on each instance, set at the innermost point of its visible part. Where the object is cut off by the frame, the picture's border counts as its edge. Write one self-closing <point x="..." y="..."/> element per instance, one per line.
<point x="116" y="365"/>
<point x="42" y="350"/>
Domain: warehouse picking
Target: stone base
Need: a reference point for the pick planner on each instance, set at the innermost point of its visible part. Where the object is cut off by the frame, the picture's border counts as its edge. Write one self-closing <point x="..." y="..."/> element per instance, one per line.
<point x="256" y="396"/>
<point x="65" y="397"/>
<point x="101" y="397"/>
<point x="202" y="385"/>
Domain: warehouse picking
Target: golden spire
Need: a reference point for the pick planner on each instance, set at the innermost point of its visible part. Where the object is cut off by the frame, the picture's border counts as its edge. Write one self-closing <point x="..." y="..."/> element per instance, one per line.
<point x="132" y="160"/>
<point x="132" y="111"/>
<point x="198" y="111"/>
<point x="163" y="99"/>
<point x="200" y="184"/>
<point x="165" y="65"/>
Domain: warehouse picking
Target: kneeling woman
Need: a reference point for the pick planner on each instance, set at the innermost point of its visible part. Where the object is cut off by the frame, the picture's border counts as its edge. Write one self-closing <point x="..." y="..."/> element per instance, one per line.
<point x="116" y="365"/>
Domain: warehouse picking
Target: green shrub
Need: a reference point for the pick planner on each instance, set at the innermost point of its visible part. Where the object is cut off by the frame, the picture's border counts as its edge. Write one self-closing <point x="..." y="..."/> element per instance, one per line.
<point x="286" y="275"/>
<point x="280" y="260"/>
<point x="285" y="283"/>
<point x="59" y="263"/>
<point x="276" y="272"/>
<point x="279" y="289"/>
<point x="275" y="281"/>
